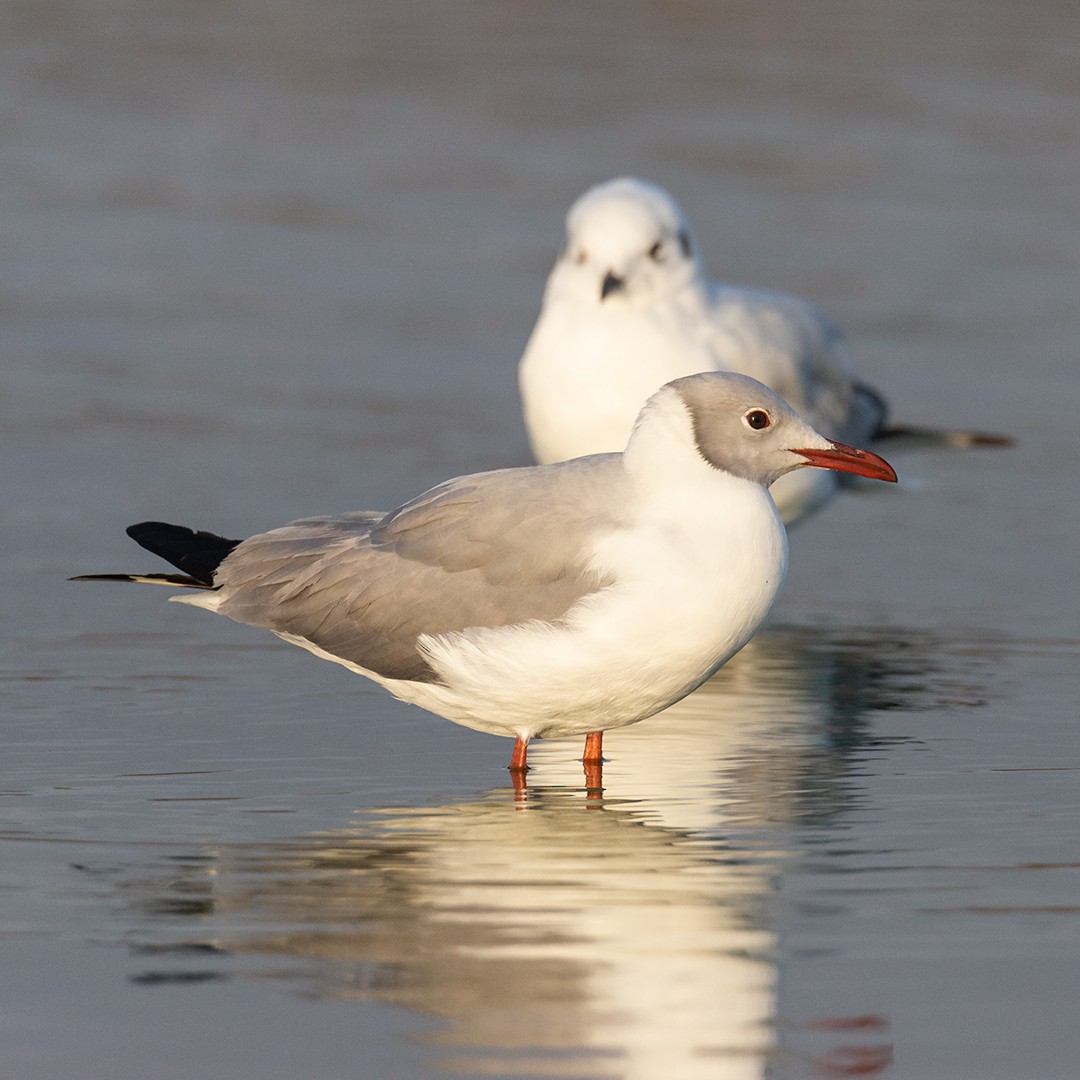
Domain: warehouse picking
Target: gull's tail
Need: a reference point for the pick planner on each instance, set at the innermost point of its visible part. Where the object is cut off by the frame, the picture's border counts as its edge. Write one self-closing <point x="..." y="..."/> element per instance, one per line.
<point x="875" y="423"/>
<point x="197" y="554"/>
<point x="953" y="438"/>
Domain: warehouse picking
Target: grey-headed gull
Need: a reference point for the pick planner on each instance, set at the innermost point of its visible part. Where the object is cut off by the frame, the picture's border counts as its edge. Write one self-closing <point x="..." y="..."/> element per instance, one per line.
<point x="628" y="307"/>
<point x="549" y="600"/>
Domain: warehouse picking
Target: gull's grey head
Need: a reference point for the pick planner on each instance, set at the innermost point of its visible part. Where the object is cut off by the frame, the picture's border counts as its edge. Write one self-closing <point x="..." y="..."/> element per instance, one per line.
<point x="744" y="428"/>
<point x="627" y="240"/>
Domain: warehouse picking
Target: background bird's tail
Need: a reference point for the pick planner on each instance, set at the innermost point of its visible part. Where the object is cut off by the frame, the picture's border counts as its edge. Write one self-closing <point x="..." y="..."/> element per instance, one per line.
<point x="956" y="438"/>
<point x="871" y="404"/>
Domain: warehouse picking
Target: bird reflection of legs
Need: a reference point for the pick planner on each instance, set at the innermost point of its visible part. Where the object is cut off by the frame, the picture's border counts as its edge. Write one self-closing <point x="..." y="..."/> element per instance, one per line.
<point x="592" y="759"/>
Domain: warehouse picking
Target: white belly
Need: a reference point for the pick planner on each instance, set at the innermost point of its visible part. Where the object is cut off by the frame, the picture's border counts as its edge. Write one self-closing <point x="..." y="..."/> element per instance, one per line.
<point x="683" y="605"/>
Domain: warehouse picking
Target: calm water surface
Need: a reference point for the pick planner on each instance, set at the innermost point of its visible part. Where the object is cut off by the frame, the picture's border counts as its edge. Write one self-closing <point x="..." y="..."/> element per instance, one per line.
<point x="268" y="260"/>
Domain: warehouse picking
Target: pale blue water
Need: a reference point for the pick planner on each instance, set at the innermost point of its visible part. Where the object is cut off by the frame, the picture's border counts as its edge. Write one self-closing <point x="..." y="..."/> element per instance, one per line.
<point x="266" y="260"/>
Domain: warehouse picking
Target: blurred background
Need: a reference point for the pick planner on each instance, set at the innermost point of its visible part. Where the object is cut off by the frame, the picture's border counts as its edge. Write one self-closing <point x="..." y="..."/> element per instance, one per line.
<point x="269" y="259"/>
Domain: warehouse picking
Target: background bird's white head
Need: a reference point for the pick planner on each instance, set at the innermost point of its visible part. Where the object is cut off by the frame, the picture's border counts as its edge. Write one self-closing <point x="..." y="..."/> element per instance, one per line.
<point x="627" y="242"/>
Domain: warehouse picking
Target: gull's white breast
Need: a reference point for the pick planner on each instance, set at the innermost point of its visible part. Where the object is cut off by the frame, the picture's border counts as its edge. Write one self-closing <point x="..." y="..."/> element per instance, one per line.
<point x="683" y="601"/>
<point x="585" y="375"/>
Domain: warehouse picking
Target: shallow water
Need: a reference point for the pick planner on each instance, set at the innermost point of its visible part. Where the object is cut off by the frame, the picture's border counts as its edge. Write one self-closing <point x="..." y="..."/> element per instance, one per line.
<point x="277" y="259"/>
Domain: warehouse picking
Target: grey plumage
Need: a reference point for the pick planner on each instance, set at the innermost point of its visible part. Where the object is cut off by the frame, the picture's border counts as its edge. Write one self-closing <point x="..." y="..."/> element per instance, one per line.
<point x="365" y="586"/>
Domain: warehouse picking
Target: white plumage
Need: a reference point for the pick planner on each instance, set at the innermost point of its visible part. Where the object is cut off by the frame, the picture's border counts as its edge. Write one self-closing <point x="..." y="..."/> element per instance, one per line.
<point x="551" y="600"/>
<point x="628" y="308"/>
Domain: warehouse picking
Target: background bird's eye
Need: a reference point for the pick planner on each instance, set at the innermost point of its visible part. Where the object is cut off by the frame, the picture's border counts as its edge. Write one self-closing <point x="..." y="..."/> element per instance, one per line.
<point x="581" y="256"/>
<point x="656" y="251"/>
<point x="757" y="419"/>
<point x="684" y="243"/>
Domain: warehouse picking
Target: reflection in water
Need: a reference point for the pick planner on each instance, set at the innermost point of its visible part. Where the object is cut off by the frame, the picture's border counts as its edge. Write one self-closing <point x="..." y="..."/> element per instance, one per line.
<point x="555" y="935"/>
<point x="770" y="738"/>
<point x="560" y="935"/>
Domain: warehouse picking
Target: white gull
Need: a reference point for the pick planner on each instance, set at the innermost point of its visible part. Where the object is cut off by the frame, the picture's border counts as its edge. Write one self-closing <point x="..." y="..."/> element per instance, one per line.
<point x="544" y="601"/>
<point x="628" y="307"/>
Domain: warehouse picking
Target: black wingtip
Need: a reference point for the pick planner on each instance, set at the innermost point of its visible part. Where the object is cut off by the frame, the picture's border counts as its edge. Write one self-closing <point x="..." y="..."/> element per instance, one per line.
<point x="182" y="580"/>
<point x="197" y="554"/>
<point x="877" y="406"/>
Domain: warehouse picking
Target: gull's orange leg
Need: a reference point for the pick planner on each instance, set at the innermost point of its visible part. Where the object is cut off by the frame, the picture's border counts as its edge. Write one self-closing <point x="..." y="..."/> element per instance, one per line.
<point x="594" y="748"/>
<point x="593" y="760"/>
<point x="518" y="763"/>
<point x="518" y="768"/>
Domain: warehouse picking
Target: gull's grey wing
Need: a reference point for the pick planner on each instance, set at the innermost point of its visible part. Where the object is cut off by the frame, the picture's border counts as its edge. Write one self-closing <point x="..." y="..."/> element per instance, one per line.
<point x="493" y="549"/>
<point x="800" y="353"/>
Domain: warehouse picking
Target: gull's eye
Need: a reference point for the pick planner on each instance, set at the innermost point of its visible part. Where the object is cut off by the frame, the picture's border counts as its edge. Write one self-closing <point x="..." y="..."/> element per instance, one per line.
<point x="758" y="419"/>
<point x="581" y="257"/>
<point x="656" y="252"/>
<point x="684" y="243"/>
